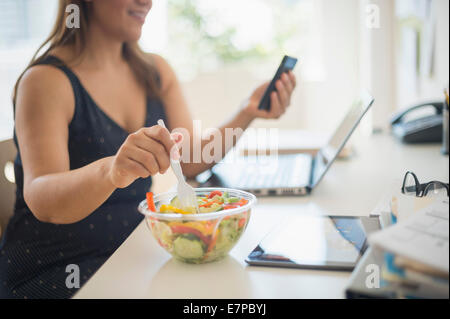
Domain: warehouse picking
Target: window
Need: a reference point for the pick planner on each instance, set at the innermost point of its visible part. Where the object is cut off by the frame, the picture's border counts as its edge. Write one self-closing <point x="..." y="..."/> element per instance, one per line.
<point x="24" y="24"/>
<point x="208" y="35"/>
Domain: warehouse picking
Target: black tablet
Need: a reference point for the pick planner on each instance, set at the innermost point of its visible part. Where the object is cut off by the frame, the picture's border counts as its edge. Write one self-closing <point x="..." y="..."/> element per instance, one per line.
<point x="315" y="242"/>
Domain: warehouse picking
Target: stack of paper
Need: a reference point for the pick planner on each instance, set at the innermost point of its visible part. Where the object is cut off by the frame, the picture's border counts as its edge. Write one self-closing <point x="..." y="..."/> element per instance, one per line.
<point x="416" y="250"/>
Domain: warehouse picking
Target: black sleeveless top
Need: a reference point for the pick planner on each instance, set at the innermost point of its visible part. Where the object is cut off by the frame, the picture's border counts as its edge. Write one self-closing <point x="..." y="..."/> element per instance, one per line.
<point x="34" y="255"/>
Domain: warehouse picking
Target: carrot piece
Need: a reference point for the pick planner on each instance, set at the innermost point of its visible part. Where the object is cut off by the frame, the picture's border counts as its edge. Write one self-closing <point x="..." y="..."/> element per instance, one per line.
<point x="210" y="203"/>
<point x="151" y="202"/>
<point x="242" y="222"/>
<point x="242" y="202"/>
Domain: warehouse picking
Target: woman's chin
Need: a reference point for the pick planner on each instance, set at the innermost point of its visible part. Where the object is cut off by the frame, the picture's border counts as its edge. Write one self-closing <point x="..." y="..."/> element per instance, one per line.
<point x="132" y="36"/>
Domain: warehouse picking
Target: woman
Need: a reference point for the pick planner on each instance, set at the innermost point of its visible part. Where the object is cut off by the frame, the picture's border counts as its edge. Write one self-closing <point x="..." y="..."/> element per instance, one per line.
<point x="85" y="128"/>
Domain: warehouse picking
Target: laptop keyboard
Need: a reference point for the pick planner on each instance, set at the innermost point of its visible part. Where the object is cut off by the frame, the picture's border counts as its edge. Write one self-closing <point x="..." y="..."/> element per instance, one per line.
<point x="284" y="171"/>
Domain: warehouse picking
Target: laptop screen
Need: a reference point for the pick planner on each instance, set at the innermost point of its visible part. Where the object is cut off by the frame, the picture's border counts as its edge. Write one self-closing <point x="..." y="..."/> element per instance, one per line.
<point x="326" y="156"/>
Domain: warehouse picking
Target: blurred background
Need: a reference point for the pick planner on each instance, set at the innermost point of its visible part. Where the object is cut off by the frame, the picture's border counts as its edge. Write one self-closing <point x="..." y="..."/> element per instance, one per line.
<point x="221" y="50"/>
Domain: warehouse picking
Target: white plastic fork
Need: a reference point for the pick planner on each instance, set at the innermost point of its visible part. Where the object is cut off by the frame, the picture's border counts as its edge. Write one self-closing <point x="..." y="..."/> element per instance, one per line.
<point x="186" y="194"/>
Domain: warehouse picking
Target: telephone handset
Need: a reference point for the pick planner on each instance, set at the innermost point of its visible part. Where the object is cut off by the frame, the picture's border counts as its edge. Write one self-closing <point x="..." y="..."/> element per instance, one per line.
<point x="425" y="128"/>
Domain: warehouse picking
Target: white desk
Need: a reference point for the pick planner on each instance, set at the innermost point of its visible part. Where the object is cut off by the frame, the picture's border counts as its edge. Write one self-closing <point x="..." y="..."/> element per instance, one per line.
<point x="141" y="269"/>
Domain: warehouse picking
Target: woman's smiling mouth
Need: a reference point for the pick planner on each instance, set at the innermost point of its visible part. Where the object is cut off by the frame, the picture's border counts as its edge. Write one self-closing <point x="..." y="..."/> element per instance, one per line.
<point x="138" y="15"/>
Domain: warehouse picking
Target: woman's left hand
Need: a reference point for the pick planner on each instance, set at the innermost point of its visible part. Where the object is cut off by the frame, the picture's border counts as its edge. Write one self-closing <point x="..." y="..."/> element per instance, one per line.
<point x="279" y="99"/>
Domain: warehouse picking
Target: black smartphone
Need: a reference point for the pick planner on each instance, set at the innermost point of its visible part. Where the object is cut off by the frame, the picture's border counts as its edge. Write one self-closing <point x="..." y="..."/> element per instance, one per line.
<point x="288" y="64"/>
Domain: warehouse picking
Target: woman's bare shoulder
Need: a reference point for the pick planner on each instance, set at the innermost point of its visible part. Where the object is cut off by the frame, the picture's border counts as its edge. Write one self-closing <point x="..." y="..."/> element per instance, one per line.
<point x="45" y="86"/>
<point x="43" y="74"/>
<point x="47" y="74"/>
<point x="165" y="71"/>
<point x="157" y="60"/>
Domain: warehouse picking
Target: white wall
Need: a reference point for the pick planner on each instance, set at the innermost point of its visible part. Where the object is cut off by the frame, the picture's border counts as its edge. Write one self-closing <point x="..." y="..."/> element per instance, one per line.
<point x="432" y="88"/>
<point x="413" y="88"/>
<point x="377" y="58"/>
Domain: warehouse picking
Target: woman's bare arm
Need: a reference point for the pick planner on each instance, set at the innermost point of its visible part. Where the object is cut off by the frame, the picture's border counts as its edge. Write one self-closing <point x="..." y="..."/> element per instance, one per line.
<point x="53" y="192"/>
<point x="44" y="108"/>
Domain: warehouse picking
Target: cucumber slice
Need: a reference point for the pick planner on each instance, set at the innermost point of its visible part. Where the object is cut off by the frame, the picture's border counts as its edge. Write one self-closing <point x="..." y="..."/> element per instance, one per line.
<point x="188" y="248"/>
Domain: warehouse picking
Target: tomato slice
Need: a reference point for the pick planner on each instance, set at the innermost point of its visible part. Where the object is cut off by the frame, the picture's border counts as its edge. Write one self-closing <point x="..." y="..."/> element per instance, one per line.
<point x="215" y="193"/>
<point x="189" y="230"/>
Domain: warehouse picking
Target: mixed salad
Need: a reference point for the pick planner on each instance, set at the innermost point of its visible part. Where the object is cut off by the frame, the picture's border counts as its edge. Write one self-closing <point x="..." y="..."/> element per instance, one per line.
<point x="199" y="241"/>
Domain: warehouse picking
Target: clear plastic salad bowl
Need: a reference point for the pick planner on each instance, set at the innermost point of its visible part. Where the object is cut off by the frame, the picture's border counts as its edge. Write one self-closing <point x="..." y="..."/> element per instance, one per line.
<point x="199" y="238"/>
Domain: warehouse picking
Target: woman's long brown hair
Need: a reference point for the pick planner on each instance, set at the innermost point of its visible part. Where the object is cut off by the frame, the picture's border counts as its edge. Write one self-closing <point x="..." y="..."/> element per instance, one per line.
<point x="144" y="70"/>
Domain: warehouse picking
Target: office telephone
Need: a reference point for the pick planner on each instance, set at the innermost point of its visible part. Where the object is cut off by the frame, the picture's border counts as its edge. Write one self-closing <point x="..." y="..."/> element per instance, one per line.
<point x="419" y="124"/>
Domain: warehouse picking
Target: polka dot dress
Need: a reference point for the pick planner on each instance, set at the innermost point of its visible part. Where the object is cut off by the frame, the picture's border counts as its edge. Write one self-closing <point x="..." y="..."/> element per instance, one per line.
<point x="34" y="256"/>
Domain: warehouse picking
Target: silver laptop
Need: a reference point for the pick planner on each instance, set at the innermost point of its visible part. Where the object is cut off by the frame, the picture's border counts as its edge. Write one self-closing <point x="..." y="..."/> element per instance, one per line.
<point x="296" y="174"/>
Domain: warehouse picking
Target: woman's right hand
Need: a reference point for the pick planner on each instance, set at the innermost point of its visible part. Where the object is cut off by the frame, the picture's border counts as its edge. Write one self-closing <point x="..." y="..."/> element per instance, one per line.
<point x="144" y="153"/>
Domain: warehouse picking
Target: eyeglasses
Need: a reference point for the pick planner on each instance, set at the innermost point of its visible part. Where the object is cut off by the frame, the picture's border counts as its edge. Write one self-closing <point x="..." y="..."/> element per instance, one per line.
<point x="412" y="186"/>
